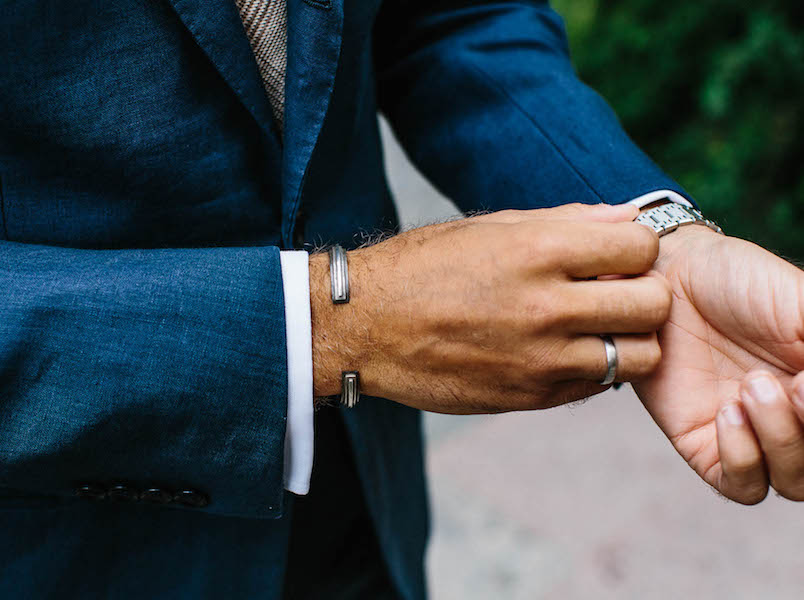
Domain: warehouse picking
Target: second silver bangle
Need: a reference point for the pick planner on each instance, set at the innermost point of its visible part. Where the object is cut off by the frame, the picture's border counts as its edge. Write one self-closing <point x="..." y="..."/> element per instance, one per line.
<point x="350" y="388"/>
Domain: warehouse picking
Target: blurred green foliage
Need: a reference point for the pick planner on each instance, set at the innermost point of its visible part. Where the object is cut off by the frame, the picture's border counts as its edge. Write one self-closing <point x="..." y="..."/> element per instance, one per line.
<point x="713" y="90"/>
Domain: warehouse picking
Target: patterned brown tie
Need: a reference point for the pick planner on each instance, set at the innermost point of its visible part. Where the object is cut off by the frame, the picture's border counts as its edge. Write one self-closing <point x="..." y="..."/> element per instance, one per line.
<point x="265" y="22"/>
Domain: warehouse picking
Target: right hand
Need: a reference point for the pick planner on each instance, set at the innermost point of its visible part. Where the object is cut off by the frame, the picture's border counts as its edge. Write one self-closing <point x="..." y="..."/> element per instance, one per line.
<point x="494" y="313"/>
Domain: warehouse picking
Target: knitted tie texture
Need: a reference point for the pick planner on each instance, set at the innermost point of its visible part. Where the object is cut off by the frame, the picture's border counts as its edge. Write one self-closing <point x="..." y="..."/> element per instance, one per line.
<point x="265" y="22"/>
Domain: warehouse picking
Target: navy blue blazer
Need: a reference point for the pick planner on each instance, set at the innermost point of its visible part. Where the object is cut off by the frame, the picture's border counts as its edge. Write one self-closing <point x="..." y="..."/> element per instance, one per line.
<point x="145" y="195"/>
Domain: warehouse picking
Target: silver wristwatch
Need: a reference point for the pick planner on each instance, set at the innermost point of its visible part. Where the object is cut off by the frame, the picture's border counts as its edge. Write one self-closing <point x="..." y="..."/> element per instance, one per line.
<point x="666" y="218"/>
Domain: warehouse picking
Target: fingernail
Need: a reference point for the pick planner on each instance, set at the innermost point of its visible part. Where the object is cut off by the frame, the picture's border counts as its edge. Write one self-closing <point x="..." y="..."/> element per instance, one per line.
<point x="733" y="414"/>
<point x="762" y="389"/>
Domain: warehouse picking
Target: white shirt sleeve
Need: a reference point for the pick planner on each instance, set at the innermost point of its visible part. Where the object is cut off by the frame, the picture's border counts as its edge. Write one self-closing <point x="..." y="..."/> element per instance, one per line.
<point x="298" y="328"/>
<point x="659" y="195"/>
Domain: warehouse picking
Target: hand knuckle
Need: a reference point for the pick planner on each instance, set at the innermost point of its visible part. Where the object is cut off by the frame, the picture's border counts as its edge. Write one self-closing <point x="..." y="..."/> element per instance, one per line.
<point x="539" y="312"/>
<point x="563" y="313"/>
<point x="550" y="239"/>
<point x="545" y="246"/>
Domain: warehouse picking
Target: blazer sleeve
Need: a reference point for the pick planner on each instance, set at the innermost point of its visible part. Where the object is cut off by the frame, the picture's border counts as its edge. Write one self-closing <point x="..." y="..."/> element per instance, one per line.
<point x="485" y="101"/>
<point x="153" y="369"/>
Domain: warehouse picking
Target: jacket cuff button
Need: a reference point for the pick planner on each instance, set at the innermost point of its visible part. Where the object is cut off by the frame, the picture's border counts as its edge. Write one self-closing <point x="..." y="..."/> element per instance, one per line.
<point x="156" y="496"/>
<point x="191" y="498"/>
<point x="91" y="492"/>
<point x="122" y="493"/>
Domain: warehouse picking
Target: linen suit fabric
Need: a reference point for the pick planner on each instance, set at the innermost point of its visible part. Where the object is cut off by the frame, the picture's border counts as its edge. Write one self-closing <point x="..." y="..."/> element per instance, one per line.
<point x="145" y="196"/>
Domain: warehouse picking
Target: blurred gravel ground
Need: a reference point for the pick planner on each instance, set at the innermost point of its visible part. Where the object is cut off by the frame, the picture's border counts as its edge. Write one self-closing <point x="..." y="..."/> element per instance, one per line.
<point x="588" y="501"/>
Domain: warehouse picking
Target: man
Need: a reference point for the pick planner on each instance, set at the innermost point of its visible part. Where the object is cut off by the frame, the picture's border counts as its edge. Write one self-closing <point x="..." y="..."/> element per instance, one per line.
<point x="160" y="355"/>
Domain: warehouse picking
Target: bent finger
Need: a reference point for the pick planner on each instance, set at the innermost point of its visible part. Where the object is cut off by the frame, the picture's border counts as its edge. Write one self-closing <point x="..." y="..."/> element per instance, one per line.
<point x="744" y="479"/>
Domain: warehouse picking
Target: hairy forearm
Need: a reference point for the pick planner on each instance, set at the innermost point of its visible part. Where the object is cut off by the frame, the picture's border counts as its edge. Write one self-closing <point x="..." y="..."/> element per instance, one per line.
<point x="327" y="324"/>
<point x="346" y="337"/>
<point x="487" y="314"/>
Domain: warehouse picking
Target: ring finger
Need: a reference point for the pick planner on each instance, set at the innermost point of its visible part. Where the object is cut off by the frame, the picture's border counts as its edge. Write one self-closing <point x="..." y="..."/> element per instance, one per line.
<point x="584" y="357"/>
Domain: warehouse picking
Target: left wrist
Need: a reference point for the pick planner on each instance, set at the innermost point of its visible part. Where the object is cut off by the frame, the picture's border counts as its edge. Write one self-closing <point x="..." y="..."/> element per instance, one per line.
<point x="686" y="240"/>
<point x="676" y="228"/>
<point x="688" y="232"/>
<point x="666" y="216"/>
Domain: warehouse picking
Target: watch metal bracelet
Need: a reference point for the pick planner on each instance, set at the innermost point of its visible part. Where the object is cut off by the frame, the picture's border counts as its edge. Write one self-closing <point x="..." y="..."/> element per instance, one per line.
<point x="666" y="218"/>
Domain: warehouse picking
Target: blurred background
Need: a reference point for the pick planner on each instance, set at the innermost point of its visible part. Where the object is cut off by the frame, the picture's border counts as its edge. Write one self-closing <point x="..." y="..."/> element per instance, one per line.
<point x="591" y="501"/>
<point x="714" y="91"/>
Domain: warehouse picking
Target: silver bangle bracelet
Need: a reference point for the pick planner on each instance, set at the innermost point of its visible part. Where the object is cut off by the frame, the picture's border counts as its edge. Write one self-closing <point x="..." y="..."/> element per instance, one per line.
<point x="350" y="388"/>
<point x="339" y="274"/>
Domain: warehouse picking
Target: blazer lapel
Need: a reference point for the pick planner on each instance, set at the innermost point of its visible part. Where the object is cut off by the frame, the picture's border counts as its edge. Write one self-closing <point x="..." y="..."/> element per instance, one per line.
<point x="216" y="27"/>
<point x="315" y="31"/>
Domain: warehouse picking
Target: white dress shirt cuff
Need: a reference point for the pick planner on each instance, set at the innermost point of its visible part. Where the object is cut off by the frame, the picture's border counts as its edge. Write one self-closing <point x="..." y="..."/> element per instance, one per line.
<point x="299" y="336"/>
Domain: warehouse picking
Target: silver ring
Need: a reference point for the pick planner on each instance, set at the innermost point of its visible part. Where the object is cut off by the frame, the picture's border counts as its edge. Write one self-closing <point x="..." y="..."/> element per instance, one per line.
<point x="611" y="360"/>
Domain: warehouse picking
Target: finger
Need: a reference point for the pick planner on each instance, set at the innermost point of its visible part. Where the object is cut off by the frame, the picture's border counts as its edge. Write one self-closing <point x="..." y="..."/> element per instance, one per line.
<point x="744" y="479"/>
<point x="595" y="249"/>
<point x="638" y="305"/>
<point x="584" y="357"/>
<point x="600" y="213"/>
<point x="778" y="430"/>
